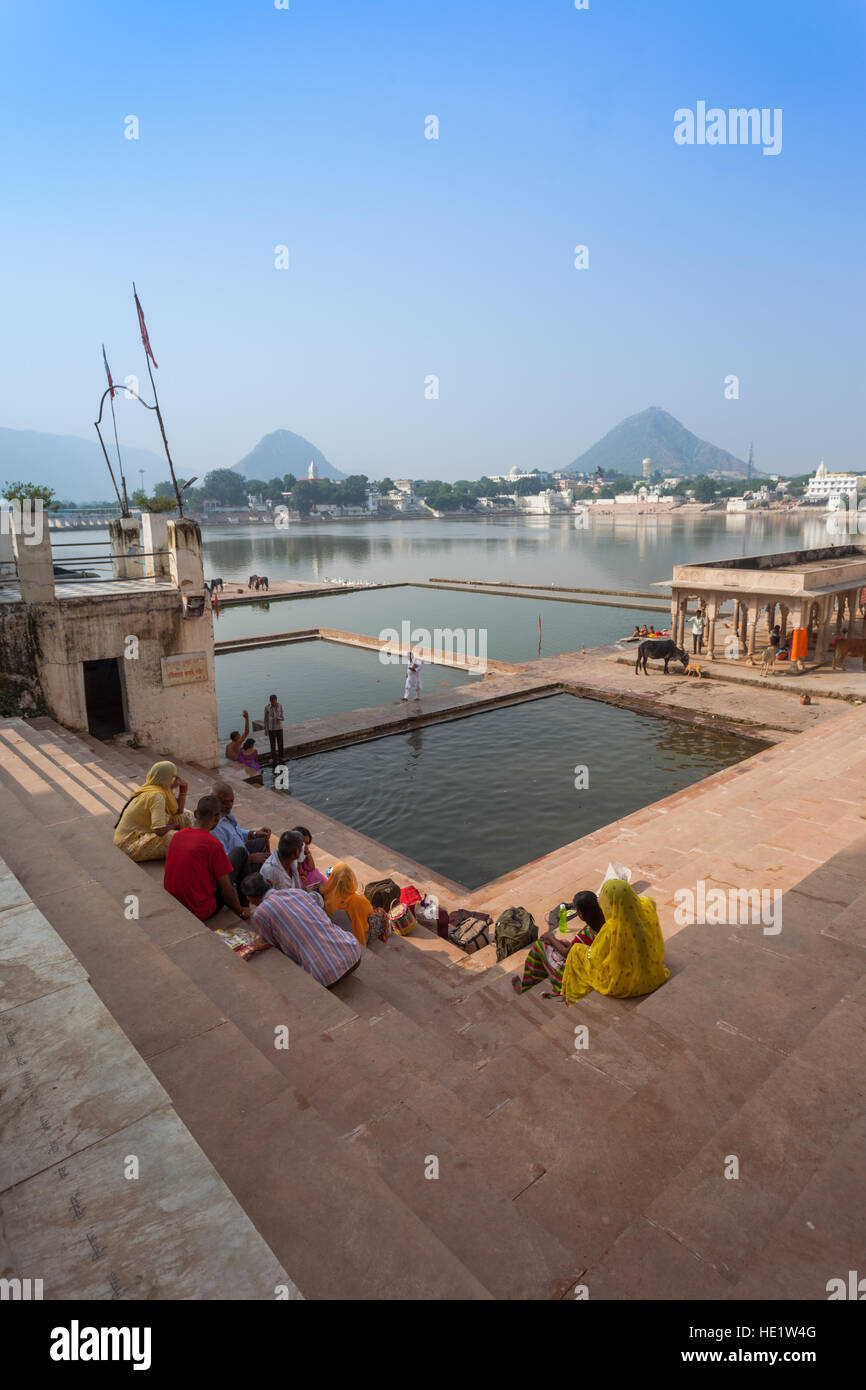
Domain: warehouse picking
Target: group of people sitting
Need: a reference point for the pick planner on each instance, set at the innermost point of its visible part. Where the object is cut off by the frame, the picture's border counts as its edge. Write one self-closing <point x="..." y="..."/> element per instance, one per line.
<point x="321" y="921"/>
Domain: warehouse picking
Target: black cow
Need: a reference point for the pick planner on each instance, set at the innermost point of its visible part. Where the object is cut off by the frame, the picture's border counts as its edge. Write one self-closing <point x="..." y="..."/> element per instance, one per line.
<point x="662" y="649"/>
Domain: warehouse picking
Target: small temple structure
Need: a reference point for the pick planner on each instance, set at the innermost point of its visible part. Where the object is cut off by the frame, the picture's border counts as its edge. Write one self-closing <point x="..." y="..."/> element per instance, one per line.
<point x="820" y="590"/>
<point x="121" y="643"/>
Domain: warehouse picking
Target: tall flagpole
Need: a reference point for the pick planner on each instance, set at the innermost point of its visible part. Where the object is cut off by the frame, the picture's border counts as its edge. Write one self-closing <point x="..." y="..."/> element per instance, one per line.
<point x="148" y="355"/>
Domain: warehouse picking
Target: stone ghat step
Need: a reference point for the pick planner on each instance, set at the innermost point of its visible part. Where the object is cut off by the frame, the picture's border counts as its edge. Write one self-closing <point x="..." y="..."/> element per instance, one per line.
<point x="534" y="1260"/>
<point x="400" y="1042"/>
<point x="272" y="1150"/>
<point x="665" y="1047"/>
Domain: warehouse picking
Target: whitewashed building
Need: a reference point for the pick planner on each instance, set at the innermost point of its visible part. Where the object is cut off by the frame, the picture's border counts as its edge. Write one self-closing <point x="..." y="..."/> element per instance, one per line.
<point x="826" y="485"/>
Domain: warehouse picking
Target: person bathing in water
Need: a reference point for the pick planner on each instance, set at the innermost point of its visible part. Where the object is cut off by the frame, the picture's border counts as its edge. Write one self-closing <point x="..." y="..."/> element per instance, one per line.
<point x="236" y="740"/>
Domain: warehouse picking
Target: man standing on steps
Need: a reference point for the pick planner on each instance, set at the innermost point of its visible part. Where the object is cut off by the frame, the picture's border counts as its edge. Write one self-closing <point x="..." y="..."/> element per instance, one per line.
<point x="198" y="872"/>
<point x="274" y="729"/>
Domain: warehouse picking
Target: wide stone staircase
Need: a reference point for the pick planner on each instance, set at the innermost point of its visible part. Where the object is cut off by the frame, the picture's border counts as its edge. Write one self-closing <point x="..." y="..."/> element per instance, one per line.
<point x="426" y="1133"/>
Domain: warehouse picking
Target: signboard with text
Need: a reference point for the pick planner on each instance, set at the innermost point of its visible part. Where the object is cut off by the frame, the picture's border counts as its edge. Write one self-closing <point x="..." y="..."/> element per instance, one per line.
<point x="185" y="669"/>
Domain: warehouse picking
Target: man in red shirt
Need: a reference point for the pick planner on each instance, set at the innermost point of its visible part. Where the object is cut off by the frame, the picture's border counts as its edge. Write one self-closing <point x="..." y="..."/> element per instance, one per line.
<point x="198" y="872"/>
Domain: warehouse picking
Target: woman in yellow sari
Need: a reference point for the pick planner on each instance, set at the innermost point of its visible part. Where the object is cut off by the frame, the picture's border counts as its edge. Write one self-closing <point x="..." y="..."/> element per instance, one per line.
<point x="340" y="892"/>
<point x="146" y="823"/>
<point x="628" y="955"/>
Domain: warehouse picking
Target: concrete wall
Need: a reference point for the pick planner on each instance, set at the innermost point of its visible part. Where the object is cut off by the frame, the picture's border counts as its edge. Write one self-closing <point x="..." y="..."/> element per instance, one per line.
<point x="138" y="630"/>
<point x="45" y="641"/>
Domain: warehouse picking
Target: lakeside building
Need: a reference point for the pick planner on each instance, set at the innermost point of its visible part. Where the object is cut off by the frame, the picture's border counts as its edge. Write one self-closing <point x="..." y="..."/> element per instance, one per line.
<point x="131" y="651"/>
<point x="819" y="590"/>
<point x="824" y="486"/>
<point x="545" y="502"/>
<point x="514" y="475"/>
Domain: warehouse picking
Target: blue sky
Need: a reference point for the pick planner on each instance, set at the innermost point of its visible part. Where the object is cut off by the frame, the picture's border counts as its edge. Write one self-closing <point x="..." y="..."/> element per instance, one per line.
<point x="408" y="257"/>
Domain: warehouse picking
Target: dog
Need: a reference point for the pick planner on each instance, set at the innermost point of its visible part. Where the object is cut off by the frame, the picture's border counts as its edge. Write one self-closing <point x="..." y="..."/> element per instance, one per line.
<point x="765" y="659"/>
<point x="768" y="660"/>
<point x="694" y="668"/>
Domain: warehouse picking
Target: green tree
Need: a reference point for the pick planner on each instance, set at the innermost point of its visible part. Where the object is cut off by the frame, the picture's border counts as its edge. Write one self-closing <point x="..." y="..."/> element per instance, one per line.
<point x="353" y="490"/>
<point x="386" y="485"/>
<point x="303" y="497"/>
<point x="273" y="491"/>
<point x="30" y="492"/>
<point x="705" y="489"/>
<point x="226" y="488"/>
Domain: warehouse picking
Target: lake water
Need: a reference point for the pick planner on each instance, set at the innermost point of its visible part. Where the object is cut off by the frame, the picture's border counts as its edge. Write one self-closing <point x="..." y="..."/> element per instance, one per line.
<point x="480" y="796"/>
<point x="311" y="679"/>
<point x="314" y="678"/>
<point x="622" y="553"/>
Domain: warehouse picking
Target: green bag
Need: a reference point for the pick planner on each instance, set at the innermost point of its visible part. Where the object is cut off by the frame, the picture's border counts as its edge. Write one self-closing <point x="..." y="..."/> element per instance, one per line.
<point x="515" y="928"/>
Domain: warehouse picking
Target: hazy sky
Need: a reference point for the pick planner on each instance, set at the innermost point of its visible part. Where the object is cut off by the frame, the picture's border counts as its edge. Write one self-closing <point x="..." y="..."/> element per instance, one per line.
<point x="261" y="127"/>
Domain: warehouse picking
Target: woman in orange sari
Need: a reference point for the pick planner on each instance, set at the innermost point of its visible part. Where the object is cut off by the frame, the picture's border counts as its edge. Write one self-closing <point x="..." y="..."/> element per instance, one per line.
<point x="340" y="893"/>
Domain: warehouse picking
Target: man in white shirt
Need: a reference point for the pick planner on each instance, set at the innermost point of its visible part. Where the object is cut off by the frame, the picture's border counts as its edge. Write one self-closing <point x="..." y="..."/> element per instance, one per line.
<point x="413" y="676"/>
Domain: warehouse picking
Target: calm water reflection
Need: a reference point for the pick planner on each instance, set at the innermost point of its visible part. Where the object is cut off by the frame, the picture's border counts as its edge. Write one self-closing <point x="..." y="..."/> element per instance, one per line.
<point x="478" y="797"/>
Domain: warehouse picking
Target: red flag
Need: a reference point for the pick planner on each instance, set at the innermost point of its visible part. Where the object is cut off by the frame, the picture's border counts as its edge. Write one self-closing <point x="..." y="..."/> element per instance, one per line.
<point x="107" y="371"/>
<point x="143" y="326"/>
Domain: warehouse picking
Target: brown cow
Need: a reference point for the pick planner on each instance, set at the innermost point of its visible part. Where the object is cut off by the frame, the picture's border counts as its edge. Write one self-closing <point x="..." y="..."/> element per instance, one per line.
<point x="849" y="646"/>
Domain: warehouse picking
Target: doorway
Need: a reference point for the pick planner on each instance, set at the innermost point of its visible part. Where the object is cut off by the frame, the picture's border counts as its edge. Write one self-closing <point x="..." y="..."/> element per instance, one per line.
<point x="103" y="698"/>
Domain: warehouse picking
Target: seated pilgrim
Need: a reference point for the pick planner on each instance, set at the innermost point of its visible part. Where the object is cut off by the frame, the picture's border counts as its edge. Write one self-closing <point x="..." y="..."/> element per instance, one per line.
<point x="145" y="826"/>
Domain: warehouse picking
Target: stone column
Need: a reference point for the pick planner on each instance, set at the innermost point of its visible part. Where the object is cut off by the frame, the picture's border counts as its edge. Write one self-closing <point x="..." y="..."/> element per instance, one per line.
<point x="154" y="538"/>
<point x="783" y="613"/>
<point x="753" y="614"/>
<point x="822" y="639"/>
<point x="853" y="597"/>
<point x="7" y="549"/>
<point x="675" y="612"/>
<point x="32" y="549"/>
<point x="712" y="614"/>
<point x="185" y="557"/>
<point x="126" y="547"/>
<point x="681" y="625"/>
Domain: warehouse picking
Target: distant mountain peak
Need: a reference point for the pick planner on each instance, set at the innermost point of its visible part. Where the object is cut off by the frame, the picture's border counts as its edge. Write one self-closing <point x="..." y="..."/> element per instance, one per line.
<point x="656" y="434"/>
<point x="281" y="452"/>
